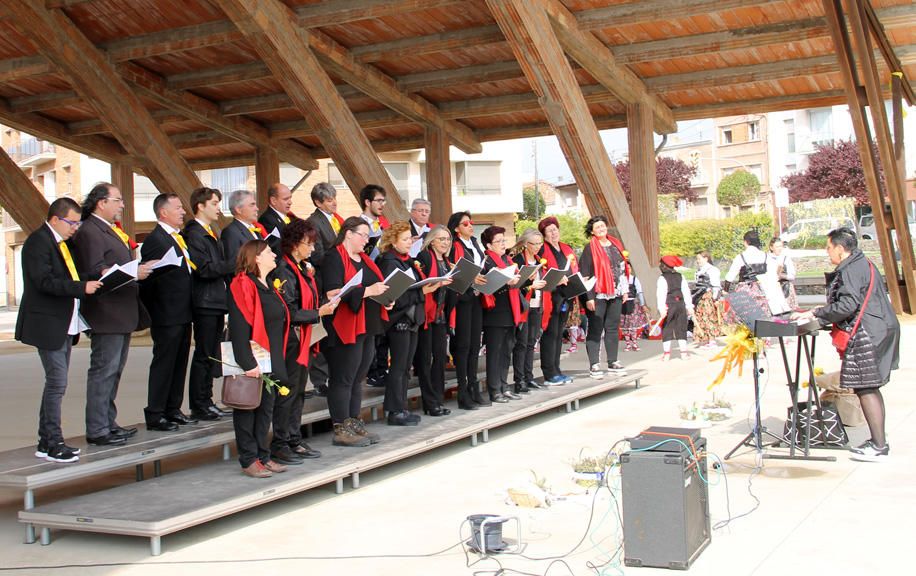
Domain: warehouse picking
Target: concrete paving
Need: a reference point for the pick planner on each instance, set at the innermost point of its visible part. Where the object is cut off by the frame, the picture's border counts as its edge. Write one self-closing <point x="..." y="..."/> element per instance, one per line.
<point x="833" y="518"/>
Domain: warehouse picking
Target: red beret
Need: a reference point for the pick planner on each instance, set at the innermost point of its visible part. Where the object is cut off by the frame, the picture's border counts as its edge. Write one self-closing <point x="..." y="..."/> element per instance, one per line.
<point x="672" y="261"/>
<point x="544" y="223"/>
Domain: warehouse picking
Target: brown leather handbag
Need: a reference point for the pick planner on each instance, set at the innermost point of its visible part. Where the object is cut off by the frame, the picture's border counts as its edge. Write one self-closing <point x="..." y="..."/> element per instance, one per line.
<point x="242" y="392"/>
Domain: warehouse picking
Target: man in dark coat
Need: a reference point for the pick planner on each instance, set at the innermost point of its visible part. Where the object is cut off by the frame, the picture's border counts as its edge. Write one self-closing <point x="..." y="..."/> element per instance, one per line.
<point x="49" y="317"/>
<point x="276" y="216"/>
<point x="874" y="344"/>
<point x="112" y="315"/>
<point x="243" y="227"/>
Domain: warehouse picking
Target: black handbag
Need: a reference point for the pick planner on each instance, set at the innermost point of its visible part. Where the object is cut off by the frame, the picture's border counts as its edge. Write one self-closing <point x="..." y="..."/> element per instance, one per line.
<point x="826" y="427"/>
<point x="629" y="306"/>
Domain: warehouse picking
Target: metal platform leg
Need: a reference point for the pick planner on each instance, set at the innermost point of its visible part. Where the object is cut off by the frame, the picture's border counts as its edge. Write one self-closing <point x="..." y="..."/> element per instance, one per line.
<point x="308" y="430"/>
<point x="338" y="486"/>
<point x="576" y="404"/>
<point x="28" y="504"/>
<point x="568" y="407"/>
<point x="157" y="468"/>
<point x="638" y="381"/>
<point x="227" y="452"/>
<point x="354" y="480"/>
<point x="373" y="413"/>
<point x="155" y="545"/>
<point x="45" y="536"/>
<point x="139" y="472"/>
<point x="486" y="435"/>
<point x="474" y="439"/>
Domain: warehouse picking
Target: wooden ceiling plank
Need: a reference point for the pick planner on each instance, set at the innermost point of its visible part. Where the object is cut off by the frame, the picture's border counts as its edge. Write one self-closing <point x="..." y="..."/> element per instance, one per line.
<point x="219" y="76"/>
<point x="334" y="12"/>
<point x="271" y="28"/>
<point x="39" y="102"/>
<point x="743" y="74"/>
<point x="599" y="61"/>
<point x="19" y="68"/>
<point x="429" y="44"/>
<point x="172" y="40"/>
<point x="218" y="162"/>
<point x="204" y="139"/>
<point x="96" y="126"/>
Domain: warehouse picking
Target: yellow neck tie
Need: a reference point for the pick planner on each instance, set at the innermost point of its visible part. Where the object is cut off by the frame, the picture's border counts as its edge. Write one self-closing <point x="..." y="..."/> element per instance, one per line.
<point x="254" y="230"/>
<point x="122" y="235"/>
<point x="184" y="248"/>
<point x="335" y="224"/>
<point x="285" y="219"/>
<point x="375" y="226"/>
<point x="210" y="232"/>
<point x="69" y="260"/>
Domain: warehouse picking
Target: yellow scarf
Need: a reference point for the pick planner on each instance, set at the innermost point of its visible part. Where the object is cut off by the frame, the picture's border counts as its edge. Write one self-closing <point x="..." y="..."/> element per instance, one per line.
<point x="69" y="260"/>
<point x="184" y="248"/>
<point x="122" y="235"/>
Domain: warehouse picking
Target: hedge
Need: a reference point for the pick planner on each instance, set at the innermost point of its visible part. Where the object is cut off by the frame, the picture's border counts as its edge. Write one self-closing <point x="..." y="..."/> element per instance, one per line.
<point x="722" y="238"/>
<point x="572" y="228"/>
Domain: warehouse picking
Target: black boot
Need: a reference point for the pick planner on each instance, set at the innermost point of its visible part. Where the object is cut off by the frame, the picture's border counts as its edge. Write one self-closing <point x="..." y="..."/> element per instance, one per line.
<point x="521" y="389"/>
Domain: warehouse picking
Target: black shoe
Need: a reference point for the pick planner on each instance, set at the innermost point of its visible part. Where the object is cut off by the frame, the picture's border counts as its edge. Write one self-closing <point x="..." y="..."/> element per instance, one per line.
<point x="308" y="394"/>
<point x="285" y="456"/>
<point x="521" y="389"/>
<point x="214" y="409"/>
<point x="179" y="418"/>
<point x="500" y="399"/>
<point x="303" y="450"/>
<point x="437" y="411"/>
<point x="205" y="416"/>
<point x="62" y="454"/>
<point x="532" y="385"/>
<point x="512" y="395"/>
<point x="125" y="432"/>
<point x="321" y="390"/>
<point x="107" y="440"/>
<point x="42" y="450"/>
<point x="402" y="418"/>
<point x="162" y="425"/>
<point x="376" y="381"/>
<point x="468" y="405"/>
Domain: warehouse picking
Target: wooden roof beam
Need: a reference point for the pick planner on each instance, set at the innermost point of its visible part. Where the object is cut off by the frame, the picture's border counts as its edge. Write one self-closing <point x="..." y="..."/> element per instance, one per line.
<point x="743" y="74"/>
<point x="39" y="102"/>
<point x="19" y="196"/>
<point x="97" y="126"/>
<point x="207" y="113"/>
<point x="367" y="120"/>
<point x="873" y="23"/>
<point x="597" y="58"/>
<point x="26" y="67"/>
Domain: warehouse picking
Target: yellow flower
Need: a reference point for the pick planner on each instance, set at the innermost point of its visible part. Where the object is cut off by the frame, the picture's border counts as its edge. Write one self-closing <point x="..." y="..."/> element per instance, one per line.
<point x="283" y="390"/>
<point x="626" y="253"/>
<point x="278" y="283"/>
<point x="543" y="261"/>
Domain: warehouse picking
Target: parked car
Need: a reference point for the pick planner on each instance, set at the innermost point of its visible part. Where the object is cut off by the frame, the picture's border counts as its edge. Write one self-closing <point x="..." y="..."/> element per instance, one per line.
<point x="867" y="226"/>
<point x="812" y="227"/>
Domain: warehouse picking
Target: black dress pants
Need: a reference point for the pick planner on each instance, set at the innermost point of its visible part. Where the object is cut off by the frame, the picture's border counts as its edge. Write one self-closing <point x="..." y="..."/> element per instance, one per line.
<point x="430" y="363"/>
<point x="287" y="412"/>
<point x="251" y="429"/>
<point x="167" y="371"/>
<point x="466" y="346"/>
<point x="346" y="362"/>
<point x="604" y="320"/>
<point x="208" y="332"/>
<point x="526" y="338"/>
<point x="552" y="342"/>
<point x="403" y="345"/>
<point x="499" y="340"/>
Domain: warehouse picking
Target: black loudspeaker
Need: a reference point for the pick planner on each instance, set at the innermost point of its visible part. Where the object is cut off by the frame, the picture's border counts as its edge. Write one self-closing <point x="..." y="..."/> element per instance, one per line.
<point x="665" y="498"/>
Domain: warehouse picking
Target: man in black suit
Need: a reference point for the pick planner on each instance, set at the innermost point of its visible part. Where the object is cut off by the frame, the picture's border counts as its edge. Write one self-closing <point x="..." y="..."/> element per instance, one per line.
<point x="242" y="229"/>
<point x="276" y="215"/>
<point x="420" y="209"/>
<point x="112" y="315"/>
<point x="166" y="293"/>
<point x="49" y="317"/>
<point x="208" y="300"/>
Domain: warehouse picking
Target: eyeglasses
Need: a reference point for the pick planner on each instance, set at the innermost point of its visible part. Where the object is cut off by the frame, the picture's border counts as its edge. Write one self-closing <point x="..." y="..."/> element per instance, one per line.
<point x="72" y="224"/>
<point x="421" y="210"/>
<point x="535" y="243"/>
<point x="467" y="224"/>
<point x="115" y="199"/>
<point x="365" y="235"/>
<point x="380" y="200"/>
<point x="443" y="239"/>
<point x="500" y="241"/>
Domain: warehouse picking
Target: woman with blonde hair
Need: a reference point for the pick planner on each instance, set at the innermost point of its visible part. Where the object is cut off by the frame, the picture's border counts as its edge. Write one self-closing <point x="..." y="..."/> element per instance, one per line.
<point x="526" y="252"/>
<point x="432" y="339"/>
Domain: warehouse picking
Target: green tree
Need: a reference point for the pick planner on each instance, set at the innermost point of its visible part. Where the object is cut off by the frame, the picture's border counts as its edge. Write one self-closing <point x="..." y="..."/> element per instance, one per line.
<point x="532" y="206"/>
<point x="572" y="228"/>
<point x="738" y="188"/>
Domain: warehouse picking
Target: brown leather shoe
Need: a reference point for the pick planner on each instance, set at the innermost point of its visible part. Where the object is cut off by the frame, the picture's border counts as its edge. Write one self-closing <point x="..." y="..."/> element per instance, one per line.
<point x="343" y="436"/>
<point x="359" y="428"/>
<point x="275" y="467"/>
<point x="257" y="470"/>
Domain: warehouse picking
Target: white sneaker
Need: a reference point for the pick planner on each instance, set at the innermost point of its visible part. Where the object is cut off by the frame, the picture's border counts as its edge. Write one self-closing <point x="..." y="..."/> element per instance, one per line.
<point x="868" y="452"/>
<point x="596" y="372"/>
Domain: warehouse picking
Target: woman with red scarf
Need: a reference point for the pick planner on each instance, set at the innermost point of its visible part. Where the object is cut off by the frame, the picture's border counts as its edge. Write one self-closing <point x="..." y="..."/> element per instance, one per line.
<point x="432" y="340"/>
<point x="300" y="291"/>
<point x="405" y="318"/>
<point x="467" y="321"/>
<point x="350" y="344"/>
<point x="556" y="305"/>
<point x="503" y="312"/>
<point x="526" y="336"/>
<point x="603" y="259"/>
<point x="257" y="313"/>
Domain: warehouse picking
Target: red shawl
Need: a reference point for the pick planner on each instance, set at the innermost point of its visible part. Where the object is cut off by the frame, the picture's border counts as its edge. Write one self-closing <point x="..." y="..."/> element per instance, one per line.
<point x="261" y="229"/>
<point x="547" y="297"/>
<point x="339" y="219"/>
<point x="606" y="283"/>
<point x="347" y="323"/>
<point x="248" y="300"/>
<point x="130" y="241"/>
<point x="429" y="304"/>
<point x="489" y="300"/>
<point x="306" y="302"/>
<point x="383" y="222"/>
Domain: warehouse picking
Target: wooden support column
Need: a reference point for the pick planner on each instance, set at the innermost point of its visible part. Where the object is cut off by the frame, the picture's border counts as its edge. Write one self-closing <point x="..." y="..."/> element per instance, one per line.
<point x="122" y="176"/>
<point x="892" y="179"/>
<point x="19" y="196"/>
<point x="273" y="31"/>
<point x="93" y="76"/>
<point x="897" y="110"/>
<point x="643" y="185"/>
<point x="438" y="175"/>
<point x="833" y="11"/>
<point x="534" y="43"/>
<point x="266" y="172"/>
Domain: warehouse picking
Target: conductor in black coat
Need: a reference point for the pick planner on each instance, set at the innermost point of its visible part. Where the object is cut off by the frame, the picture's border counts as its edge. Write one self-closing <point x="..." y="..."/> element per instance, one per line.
<point x="276" y="215"/>
<point x="208" y="300"/>
<point x="242" y="229"/>
<point x="49" y="316"/>
<point x="167" y="296"/>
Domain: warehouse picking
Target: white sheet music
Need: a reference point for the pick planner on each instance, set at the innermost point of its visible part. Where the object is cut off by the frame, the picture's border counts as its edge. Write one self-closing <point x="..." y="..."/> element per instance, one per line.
<point x="354" y="282"/>
<point x="171" y="258"/>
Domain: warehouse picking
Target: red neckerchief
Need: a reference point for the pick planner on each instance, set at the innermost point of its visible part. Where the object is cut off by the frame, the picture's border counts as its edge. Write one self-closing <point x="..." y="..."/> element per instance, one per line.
<point x="349" y="324"/>
<point x="291" y="216"/>
<point x="429" y="305"/>
<point x="489" y="300"/>
<point x="339" y="218"/>
<point x="547" y="297"/>
<point x="457" y="249"/>
<point x="401" y="257"/>
<point x="606" y="283"/>
<point x="306" y="302"/>
<point x="248" y="300"/>
<point x="261" y="229"/>
<point x="130" y="241"/>
<point x="383" y="222"/>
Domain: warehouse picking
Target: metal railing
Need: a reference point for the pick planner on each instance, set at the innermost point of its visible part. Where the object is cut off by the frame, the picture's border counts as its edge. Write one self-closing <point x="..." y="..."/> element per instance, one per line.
<point x="29" y="148"/>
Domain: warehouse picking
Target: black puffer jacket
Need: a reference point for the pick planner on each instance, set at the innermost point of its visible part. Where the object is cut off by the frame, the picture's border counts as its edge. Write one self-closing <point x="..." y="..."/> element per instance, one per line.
<point x="846" y="289"/>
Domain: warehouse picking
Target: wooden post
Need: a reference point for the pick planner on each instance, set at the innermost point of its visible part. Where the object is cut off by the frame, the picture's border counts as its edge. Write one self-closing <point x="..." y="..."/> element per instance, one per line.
<point x="833" y="12"/>
<point x="19" y="196"/>
<point x="266" y="172"/>
<point x="122" y="176"/>
<point x="438" y="175"/>
<point x="643" y="184"/>
<point x="530" y="34"/>
<point x="272" y="30"/>
<point x="897" y="110"/>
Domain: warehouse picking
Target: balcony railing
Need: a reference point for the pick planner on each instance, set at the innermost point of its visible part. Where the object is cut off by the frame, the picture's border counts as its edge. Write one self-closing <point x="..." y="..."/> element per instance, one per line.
<point x="28" y="149"/>
<point x="477" y="190"/>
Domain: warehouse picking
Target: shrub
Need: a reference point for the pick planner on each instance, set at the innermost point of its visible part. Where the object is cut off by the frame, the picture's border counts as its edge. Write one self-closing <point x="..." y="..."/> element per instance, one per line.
<point x="572" y="228"/>
<point x="723" y="238"/>
<point x="738" y="188"/>
<point x="808" y="241"/>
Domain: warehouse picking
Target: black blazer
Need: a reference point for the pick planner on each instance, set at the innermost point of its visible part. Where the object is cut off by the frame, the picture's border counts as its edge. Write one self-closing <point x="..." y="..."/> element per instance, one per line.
<point x="166" y="292"/>
<point x="95" y="248"/>
<point x="332" y="277"/>
<point x="292" y="293"/>
<point x="47" y="301"/>
<point x="232" y="238"/>
<point x="209" y="286"/>
<point x="270" y="219"/>
<point x="501" y="314"/>
<point x="410" y="305"/>
<point x="326" y="237"/>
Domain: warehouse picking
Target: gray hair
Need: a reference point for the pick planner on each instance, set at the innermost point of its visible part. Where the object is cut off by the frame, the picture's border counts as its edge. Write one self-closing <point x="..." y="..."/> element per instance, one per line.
<point x="236" y="197"/>
<point x="431" y="235"/>
<point x="323" y="191"/>
<point x="419" y="202"/>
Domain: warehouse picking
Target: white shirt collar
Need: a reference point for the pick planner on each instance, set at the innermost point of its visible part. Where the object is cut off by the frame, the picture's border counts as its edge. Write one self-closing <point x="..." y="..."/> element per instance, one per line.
<point x="327" y="215"/>
<point x="107" y="223"/>
<point x="57" y="237"/>
<point x="368" y="218"/>
<point x="203" y="224"/>
<point x="418" y="227"/>
<point x="168" y="229"/>
<point x="245" y="224"/>
<point x="280" y="214"/>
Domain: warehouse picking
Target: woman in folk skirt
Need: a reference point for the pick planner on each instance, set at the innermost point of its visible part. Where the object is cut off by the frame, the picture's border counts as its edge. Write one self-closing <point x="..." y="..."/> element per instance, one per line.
<point x="707" y="318"/>
<point x="674" y="303"/>
<point x="634" y="313"/>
